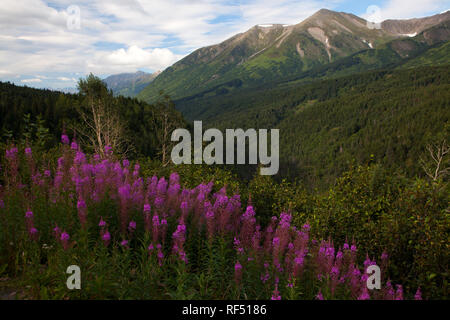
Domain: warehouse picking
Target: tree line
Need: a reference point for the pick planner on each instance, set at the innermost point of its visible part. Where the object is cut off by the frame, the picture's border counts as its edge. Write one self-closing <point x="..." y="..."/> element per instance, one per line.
<point x="93" y="116"/>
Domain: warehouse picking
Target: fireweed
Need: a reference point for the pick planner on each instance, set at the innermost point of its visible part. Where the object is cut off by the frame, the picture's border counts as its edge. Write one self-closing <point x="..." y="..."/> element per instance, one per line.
<point x="199" y="242"/>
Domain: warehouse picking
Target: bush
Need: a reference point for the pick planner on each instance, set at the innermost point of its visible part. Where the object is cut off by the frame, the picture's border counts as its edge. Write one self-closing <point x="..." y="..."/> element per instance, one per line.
<point x="385" y="212"/>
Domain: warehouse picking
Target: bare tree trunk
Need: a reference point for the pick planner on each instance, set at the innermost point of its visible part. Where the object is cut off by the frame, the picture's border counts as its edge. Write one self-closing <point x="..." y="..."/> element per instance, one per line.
<point x="438" y="168"/>
<point x="165" y="139"/>
<point x="165" y="125"/>
<point x="102" y="127"/>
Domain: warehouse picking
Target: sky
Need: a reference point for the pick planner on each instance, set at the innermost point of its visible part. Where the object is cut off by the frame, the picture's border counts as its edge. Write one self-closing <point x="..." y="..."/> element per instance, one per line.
<point x="51" y="44"/>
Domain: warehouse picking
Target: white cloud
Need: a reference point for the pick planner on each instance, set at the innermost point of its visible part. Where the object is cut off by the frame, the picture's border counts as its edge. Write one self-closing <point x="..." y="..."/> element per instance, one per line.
<point x="65" y="79"/>
<point x="282" y="11"/>
<point x="406" y="9"/>
<point x="150" y="34"/>
<point x="132" y="59"/>
<point x="34" y="13"/>
<point x="31" y="80"/>
<point x="124" y="36"/>
<point x="34" y="36"/>
<point x="5" y="72"/>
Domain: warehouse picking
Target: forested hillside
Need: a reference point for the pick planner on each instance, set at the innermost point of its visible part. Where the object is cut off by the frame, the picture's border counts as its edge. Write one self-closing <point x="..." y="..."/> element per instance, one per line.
<point x="27" y="113"/>
<point x="386" y="116"/>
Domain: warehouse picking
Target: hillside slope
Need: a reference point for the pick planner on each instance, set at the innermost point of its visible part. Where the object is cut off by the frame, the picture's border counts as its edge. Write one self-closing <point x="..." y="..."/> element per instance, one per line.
<point x="390" y="114"/>
<point x="429" y="48"/>
<point x="267" y="53"/>
<point x="58" y="111"/>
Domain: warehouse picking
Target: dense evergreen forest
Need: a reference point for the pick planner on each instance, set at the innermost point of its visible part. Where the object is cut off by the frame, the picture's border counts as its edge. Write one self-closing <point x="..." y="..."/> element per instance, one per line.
<point x="26" y="112"/>
<point x="386" y="116"/>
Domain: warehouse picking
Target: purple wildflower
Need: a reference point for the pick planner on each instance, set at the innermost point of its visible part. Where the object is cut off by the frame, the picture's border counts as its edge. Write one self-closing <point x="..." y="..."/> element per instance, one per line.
<point x="399" y="292"/>
<point x="276" y="294"/>
<point x="65" y="240"/>
<point x="319" y="296"/>
<point x="33" y="233"/>
<point x="102" y="223"/>
<point x="74" y="145"/>
<point x="65" y="139"/>
<point x="364" y="294"/>
<point x="418" y="295"/>
<point x="132" y="226"/>
<point x="106" y="237"/>
<point x="237" y="272"/>
<point x="11" y="153"/>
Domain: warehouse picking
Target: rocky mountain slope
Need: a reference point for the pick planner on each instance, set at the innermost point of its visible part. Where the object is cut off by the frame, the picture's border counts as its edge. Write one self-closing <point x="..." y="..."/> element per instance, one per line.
<point x="269" y="52"/>
<point x="413" y="26"/>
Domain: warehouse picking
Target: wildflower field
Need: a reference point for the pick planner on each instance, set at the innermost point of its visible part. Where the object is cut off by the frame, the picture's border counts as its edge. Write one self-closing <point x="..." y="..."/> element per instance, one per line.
<point x="137" y="237"/>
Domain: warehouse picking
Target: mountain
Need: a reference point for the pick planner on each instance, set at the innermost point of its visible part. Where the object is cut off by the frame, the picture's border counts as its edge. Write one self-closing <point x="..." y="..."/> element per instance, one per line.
<point x="387" y="116"/>
<point x="129" y="84"/>
<point x="429" y="48"/>
<point x="413" y="26"/>
<point x="338" y="90"/>
<point x="268" y="53"/>
<point x="437" y="56"/>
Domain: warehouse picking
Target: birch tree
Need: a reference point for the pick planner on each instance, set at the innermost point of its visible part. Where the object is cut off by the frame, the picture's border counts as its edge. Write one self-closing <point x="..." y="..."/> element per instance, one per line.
<point x="101" y="122"/>
<point x="437" y="167"/>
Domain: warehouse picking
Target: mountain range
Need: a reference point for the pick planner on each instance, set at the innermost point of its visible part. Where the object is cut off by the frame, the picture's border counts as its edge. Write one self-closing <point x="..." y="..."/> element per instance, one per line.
<point x="129" y="84"/>
<point x="338" y="89"/>
<point x="311" y="49"/>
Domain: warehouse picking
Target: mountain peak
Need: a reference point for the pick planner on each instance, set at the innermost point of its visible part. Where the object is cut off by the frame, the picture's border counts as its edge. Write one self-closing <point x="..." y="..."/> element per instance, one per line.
<point x="329" y="19"/>
<point x="323" y="12"/>
<point x="326" y="14"/>
<point x="414" y="26"/>
<point x="269" y="51"/>
<point x="269" y="25"/>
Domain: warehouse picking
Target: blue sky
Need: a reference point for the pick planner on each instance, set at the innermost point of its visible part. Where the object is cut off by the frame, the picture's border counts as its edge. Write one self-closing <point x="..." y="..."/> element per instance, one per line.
<point x="50" y="44"/>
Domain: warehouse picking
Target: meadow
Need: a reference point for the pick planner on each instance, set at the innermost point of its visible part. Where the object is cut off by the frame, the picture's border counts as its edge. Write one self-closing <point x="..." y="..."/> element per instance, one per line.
<point x="137" y="237"/>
